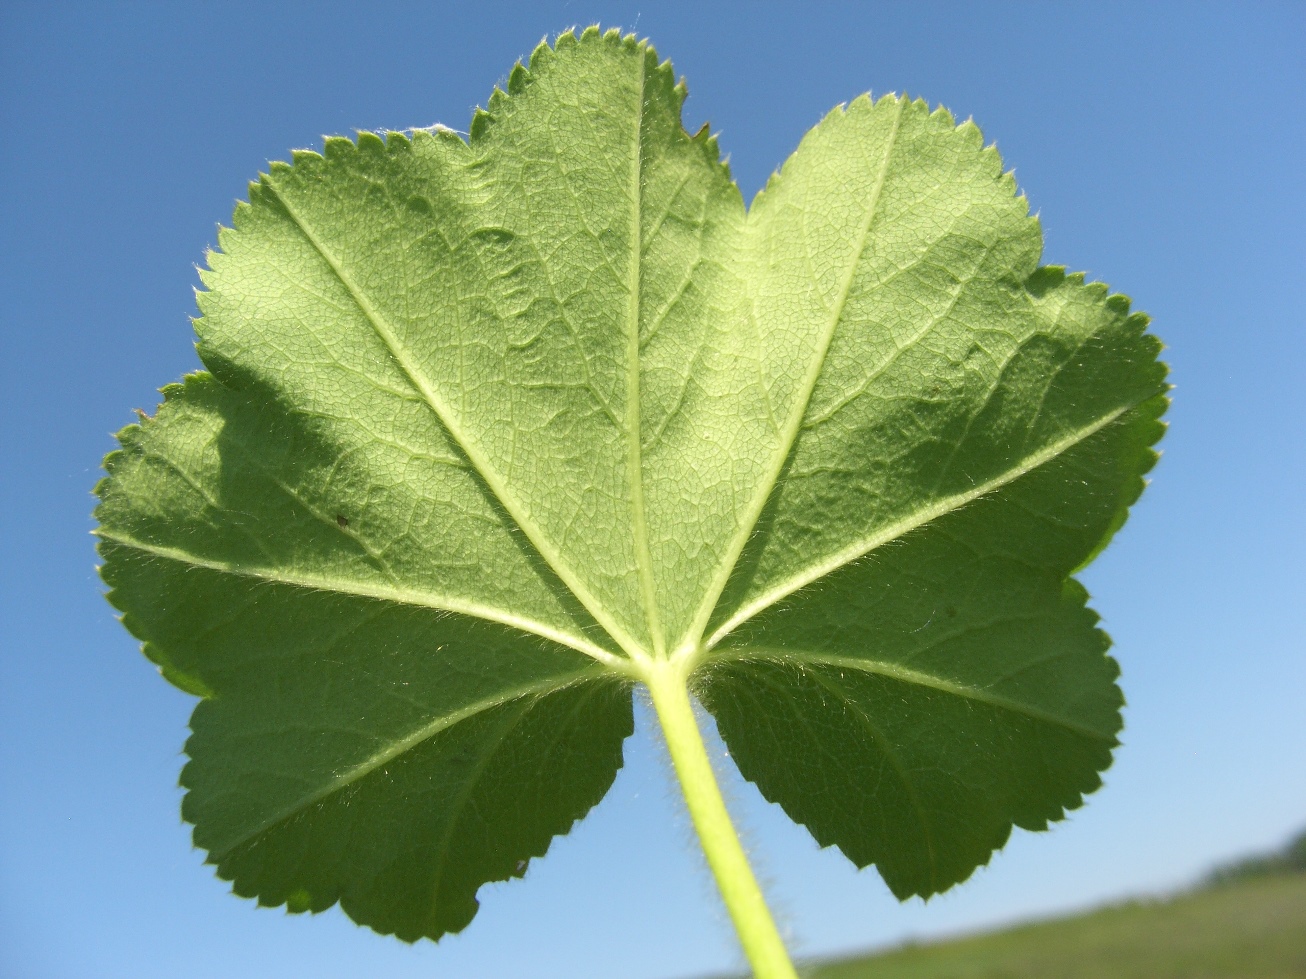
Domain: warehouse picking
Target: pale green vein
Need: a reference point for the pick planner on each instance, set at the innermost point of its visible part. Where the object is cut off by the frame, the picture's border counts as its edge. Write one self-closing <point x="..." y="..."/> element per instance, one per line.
<point x="900" y="350"/>
<point x="396" y="748"/>
<point x="492" y="478"/>
<point x="893" y="671"/>
<point x="358" y="589"/>
<point x="913" y="521"/>
<point x="804" y="397"/>
<point x="634" y="460"/>
<point x="656" y="226"/>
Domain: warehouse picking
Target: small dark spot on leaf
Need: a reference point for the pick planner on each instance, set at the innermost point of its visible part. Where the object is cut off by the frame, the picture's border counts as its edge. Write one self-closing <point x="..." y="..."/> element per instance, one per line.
<point x="341" y="521"/>
<point x="952" y="612"/>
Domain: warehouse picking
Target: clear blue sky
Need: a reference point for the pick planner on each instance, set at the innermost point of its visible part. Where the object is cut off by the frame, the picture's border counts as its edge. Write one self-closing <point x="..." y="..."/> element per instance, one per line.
<point x="1163" y="145"/>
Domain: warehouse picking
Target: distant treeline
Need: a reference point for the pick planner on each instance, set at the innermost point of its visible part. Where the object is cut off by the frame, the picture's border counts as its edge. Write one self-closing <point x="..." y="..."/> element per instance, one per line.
<point x="1289" y="860"/>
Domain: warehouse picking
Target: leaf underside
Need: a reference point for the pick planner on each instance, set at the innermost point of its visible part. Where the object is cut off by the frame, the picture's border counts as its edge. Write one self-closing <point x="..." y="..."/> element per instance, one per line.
<point x="488" y="423"/>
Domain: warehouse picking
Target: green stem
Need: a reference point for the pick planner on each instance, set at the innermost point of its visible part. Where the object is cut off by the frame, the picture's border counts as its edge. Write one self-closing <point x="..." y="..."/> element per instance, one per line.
<point x="725" y="855"/>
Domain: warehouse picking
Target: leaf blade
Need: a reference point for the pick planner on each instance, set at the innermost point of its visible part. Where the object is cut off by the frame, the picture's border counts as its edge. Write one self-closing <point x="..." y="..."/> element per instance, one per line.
<point x="911" y="707"/>
<point x="931" y="384"/>
<point x="325" y="717"/>
<point x="492" y="426"/>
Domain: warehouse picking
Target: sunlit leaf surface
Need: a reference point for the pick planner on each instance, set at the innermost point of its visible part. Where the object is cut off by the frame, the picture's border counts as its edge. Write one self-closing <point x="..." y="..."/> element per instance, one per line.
<point x="487" y="423"/>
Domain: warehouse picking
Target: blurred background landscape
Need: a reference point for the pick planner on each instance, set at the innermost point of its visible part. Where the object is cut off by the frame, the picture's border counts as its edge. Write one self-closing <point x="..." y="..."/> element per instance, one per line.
<point x="1162" y="146"/>
<point x="1245" y="919"/>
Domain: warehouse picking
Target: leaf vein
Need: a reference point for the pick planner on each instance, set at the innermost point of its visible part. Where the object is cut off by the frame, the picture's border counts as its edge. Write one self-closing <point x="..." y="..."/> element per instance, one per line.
<point x="794" y="422"/>
<point x="492" y="478"/>
<point x="920" y="518"/>
<point x="424" y="733"/>
<point x="394" y="595"/>
<point x="918" y="678"/>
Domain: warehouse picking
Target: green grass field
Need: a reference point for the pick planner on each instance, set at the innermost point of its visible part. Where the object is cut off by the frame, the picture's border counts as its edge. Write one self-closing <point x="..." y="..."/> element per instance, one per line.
<point x="1255" y="929"/>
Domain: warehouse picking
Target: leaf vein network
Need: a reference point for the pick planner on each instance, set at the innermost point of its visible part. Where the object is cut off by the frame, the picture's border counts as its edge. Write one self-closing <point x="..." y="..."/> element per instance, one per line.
<point x="893" y="671"/>
<point x="387" y="335"/>
<point x="394" y="595"/>
<point x="530" y="693"/>
<point x="920" y="518"/>
<point x="794" y="422"/>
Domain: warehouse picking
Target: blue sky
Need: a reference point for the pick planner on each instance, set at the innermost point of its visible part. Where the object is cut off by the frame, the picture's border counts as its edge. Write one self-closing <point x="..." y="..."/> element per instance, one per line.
<point x="1162" y="145"/>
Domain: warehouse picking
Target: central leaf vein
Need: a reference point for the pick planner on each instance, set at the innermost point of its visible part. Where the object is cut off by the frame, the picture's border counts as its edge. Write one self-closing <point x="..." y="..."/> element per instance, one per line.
<point x="634" y="460"/>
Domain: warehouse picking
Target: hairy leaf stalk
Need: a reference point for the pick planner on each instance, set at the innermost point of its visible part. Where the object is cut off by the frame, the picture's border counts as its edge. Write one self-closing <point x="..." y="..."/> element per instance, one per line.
<point x="667" y="683"/>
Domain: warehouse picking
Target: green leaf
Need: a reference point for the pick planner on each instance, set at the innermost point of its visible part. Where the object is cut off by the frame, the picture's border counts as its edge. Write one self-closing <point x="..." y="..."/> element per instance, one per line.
<point x="493" y="428"/>
<point x="911" y="706"/>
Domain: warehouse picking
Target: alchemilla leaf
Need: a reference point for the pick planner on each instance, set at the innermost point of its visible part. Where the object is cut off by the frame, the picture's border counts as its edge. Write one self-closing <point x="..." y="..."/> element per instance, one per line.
<point x="492" y="426"/>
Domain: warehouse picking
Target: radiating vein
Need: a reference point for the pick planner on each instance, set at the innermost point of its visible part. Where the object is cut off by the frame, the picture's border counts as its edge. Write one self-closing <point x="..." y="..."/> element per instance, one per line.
<point x="394" y="595"/>
<point x="913" y="521"/>
<point x="799" y="409"/>
<point x="890" y="752"/>
<point x="634" y="460"/>
<point x="464" y="796"/>
<point x="350" y="775"/>
<point x="919" y="678"/>
<point x="493" y="479"/>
